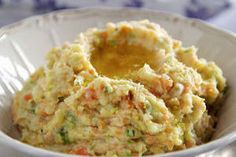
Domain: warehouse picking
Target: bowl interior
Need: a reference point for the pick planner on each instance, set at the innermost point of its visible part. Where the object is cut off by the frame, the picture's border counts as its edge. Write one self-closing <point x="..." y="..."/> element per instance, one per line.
<point x="23" y="46"/>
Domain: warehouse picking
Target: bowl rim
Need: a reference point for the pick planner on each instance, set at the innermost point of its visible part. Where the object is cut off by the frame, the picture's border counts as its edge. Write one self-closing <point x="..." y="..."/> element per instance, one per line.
<point x="212" y="145"/>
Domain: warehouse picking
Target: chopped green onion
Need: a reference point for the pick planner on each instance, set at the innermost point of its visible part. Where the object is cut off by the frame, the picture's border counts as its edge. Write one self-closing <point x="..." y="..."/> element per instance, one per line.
<point x="187" y="50"/>
<point x="64" y="135"/>
<point x="149" y="108"/>
<point x="112" y="42"/>
<point x="33" y="106"/>
<point x="130" y="132"/>
<point x="107" y="89"/>
<point x="128" y="153"/>
<point x="71" y="118"/>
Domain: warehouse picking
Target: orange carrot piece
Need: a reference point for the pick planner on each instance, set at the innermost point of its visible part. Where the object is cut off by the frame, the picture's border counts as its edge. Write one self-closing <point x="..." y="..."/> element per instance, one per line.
<point x="27" y="97"/>
<point x="80" y="151"/>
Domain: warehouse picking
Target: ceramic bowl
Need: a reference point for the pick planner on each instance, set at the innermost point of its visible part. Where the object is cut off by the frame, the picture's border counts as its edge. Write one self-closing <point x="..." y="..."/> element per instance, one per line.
<point x="24" y="44"/>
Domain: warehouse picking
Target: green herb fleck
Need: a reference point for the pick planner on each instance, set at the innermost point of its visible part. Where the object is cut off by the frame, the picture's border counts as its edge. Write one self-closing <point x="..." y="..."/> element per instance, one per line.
<point x="169" y="60"/>
<point x="149" y="108"/>
<point x="33" y="106"/>
<point x="128" y="153"/>
<point x="107" y="89"/>
<point x="71" y="119"/>
<point x="64" y="135"/>
<point x="130" y="132"/>
<point x="187" y="51"/>
<point x="112" y="42"/>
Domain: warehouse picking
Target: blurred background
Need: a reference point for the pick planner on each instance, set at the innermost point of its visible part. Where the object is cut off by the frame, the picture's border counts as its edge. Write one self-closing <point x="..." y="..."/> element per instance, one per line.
<point x="220" y="13"/>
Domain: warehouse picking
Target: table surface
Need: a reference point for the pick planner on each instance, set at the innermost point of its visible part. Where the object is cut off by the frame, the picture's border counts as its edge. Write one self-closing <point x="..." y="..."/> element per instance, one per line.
<point x="219" y="13"/>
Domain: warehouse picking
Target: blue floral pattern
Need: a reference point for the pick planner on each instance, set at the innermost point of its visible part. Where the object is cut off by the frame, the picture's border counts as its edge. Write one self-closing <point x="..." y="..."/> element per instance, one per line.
<point x="205" y="9"/>
<point x="134" y="3"/>
<point x="48" y="5"/>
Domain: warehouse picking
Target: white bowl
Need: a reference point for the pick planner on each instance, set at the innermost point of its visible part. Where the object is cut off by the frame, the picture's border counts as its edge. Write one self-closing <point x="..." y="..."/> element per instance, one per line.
<point x="24" y="44"/>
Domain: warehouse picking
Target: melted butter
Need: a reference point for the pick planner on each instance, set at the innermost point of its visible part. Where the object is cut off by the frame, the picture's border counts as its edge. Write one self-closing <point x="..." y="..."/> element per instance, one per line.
<point x="118" y="61"/>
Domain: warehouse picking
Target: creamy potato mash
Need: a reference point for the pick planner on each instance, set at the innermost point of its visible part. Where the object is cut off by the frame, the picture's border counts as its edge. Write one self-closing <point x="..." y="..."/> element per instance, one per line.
<point x="125" y="90"/>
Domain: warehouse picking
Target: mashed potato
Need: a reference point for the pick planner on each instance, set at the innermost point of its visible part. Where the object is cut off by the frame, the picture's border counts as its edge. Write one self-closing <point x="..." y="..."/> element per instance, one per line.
<point x="126" y="90"/>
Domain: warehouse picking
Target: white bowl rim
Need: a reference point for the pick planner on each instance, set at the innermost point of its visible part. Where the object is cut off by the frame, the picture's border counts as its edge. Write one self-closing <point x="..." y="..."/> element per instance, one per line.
<point x="212" y="145"/>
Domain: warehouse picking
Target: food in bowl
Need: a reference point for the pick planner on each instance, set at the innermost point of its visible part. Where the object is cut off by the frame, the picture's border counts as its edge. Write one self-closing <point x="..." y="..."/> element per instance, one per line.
<point x="125" y="90"/>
